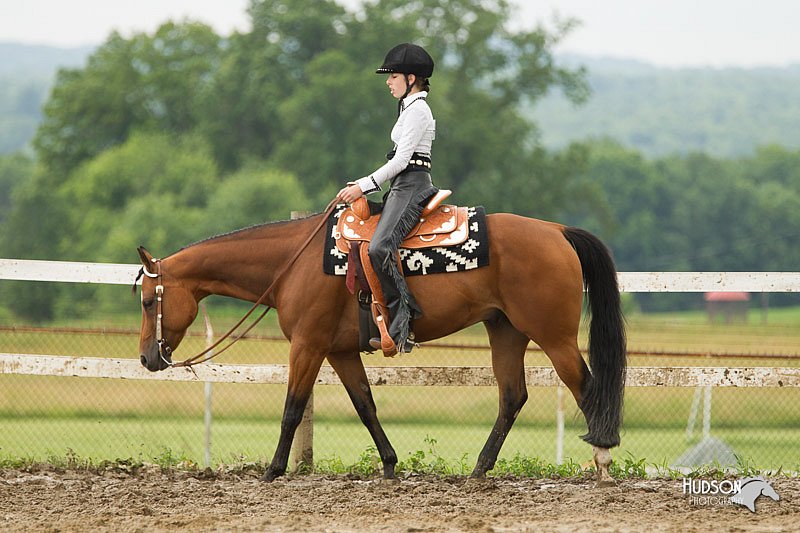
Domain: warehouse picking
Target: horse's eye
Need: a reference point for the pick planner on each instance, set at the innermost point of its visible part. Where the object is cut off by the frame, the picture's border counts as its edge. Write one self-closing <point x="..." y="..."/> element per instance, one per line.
<point x="147" y="304"/>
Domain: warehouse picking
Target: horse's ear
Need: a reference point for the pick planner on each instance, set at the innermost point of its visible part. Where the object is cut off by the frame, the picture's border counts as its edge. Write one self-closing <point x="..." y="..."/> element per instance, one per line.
<point x="146" y="257"/>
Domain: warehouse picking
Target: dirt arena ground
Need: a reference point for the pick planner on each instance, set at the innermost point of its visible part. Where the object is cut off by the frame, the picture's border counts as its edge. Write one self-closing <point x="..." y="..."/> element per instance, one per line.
<point x="51" y="500"/>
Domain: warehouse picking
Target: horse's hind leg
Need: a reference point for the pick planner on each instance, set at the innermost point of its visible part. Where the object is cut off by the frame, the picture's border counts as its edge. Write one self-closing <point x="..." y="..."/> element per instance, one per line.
<point x="572" y="370"/>
<point x="350" y="369"/>
<point x="508" y="362"/>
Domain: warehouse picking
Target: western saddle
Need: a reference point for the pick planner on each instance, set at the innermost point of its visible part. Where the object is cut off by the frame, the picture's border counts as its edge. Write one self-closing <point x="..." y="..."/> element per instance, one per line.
<point x="439" y="225"/>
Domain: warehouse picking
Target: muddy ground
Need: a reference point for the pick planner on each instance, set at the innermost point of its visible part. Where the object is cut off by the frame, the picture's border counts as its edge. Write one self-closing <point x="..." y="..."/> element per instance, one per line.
<point x="55" y="500"/>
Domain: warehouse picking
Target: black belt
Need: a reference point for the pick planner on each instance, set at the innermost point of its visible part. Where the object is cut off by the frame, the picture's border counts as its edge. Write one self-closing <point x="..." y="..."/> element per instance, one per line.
<point x="417" y="162"/>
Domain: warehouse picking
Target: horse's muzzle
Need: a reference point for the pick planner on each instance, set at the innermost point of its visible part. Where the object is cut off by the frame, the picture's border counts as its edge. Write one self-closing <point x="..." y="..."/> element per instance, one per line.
<point x="155" y="363"/>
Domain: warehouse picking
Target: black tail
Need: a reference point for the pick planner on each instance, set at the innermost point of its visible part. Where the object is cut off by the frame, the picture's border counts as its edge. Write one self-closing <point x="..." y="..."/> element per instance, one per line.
<point x="603" y="390"/>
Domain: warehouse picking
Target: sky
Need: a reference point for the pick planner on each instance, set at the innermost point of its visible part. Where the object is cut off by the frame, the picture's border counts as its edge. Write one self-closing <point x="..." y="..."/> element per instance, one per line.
<point x="669" y="33"/>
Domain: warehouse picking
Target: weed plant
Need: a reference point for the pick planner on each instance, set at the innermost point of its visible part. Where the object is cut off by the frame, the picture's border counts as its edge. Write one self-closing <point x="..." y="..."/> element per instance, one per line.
<point x="421" y="462"/>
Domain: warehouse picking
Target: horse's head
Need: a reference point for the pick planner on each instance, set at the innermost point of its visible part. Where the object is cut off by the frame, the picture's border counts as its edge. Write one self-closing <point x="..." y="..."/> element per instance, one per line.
<point x="770" y="492"/>
<point x="164" y="322"/>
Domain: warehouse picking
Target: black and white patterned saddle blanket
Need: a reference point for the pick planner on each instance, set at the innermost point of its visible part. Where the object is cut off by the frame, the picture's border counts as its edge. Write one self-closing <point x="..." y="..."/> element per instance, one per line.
<point x="471" y="254"/>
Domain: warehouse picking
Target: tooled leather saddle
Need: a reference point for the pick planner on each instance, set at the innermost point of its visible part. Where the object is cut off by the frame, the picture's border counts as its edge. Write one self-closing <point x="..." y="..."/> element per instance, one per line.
<point x="439" y="225"/>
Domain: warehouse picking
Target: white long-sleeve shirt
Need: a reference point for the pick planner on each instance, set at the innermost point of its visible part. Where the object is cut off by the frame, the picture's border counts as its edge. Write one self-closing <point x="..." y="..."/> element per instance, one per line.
<point x="414" y="131"/>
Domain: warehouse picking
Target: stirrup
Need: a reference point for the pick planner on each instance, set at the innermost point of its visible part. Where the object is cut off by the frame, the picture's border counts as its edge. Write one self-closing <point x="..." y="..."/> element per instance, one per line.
<point x="375" y="343"/>
<point x="386" y="344"/>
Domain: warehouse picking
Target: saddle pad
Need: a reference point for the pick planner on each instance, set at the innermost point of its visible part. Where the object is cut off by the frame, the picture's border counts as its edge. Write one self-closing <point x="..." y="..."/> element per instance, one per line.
<point x="470" y="254"/>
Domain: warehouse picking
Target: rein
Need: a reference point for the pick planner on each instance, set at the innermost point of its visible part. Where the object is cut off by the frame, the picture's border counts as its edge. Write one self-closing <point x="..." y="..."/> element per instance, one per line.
<point x="164" y="350"/>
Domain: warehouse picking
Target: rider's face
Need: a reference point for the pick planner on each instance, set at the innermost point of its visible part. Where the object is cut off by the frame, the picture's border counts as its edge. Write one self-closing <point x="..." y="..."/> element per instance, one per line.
<point x="397" y="83"/>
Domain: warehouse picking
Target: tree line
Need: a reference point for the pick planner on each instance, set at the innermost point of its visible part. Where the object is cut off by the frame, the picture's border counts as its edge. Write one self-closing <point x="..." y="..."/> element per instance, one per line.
<point x="661" y="111"/>
<point x="166" y="138"/>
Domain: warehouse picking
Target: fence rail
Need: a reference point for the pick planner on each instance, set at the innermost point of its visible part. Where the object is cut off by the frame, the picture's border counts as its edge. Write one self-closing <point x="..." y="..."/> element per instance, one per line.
<point x="124" y="274"/>
<point x="448" y="376"/>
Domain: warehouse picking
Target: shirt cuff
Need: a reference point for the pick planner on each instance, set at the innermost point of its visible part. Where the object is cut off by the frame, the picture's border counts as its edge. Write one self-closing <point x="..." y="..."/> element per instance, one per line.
<point x="368" y="184"/>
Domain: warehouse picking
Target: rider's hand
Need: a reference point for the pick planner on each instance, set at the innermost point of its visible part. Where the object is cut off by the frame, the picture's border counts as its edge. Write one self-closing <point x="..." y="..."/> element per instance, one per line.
<point x="350" y="193"/>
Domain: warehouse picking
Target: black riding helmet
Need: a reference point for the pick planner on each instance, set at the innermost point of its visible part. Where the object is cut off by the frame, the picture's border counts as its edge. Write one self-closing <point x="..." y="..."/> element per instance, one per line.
<point x="407" y="58"/>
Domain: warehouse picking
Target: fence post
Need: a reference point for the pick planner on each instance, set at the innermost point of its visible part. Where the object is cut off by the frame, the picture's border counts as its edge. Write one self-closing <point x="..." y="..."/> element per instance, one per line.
<point x="559" y="423"/>
<point x="303" y="444"/>
<point x="707" y="413"/>
<point x="207" y="390"/>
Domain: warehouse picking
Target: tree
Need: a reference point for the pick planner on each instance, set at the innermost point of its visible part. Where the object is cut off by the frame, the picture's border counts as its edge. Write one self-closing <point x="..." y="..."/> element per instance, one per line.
<point x="15" y="169"/>
<point x="299" y="91"/>
<point x="332" y="127"/>
<point x="174" y="176"/>
<point x="260" y="70"/>
<point x="145" y="82"/>
<point x="32" y="230"/>
<point x="254" y="195"/>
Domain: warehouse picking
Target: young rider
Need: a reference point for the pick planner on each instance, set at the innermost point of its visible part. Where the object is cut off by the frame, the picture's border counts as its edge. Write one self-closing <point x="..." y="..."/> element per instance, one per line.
<point x="408" y="172"/>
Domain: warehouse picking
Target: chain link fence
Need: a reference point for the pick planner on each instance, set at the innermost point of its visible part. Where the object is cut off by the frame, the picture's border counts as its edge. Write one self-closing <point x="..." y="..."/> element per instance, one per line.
<point x="46" y="417"/>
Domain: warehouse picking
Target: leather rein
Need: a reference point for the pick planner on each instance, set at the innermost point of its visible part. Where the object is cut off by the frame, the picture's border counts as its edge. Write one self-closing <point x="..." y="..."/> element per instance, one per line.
<point x="165" y="351"/>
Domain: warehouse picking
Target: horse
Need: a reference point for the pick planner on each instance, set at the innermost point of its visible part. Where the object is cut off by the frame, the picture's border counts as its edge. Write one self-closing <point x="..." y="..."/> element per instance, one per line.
<point x="531" y="290"/>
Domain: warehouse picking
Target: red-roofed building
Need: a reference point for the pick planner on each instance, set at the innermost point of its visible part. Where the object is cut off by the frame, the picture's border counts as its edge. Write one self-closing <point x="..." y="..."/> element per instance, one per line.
<point x="732" y="306"/>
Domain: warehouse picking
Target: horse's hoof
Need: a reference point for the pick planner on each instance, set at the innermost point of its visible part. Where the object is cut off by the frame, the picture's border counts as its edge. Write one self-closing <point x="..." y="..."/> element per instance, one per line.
<point x="602" y="461"/>
<point x="271" y="475"/>
<point x="605" y="483"/>
<point x="478" y="483"/>
<point x="389" y="481"/>
<point x="605" y="480"/>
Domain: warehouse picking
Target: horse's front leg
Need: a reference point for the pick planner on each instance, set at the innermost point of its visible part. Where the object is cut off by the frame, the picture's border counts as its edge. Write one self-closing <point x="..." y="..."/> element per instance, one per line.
<point x="304" y="364"/>
<point x="350" y="369"/>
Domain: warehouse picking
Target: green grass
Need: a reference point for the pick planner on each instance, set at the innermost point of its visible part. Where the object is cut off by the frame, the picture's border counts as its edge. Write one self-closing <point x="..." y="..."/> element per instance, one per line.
<point x="235" y="440"/>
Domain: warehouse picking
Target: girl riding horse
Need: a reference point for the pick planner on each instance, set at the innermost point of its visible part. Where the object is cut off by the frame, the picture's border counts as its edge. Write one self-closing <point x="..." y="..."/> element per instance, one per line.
<point x="408" y="171"/>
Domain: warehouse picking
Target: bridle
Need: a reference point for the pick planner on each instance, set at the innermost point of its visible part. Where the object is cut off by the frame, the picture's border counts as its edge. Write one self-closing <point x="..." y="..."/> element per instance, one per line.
<point x="163" y="345"/>
<point x="165" y="351"/>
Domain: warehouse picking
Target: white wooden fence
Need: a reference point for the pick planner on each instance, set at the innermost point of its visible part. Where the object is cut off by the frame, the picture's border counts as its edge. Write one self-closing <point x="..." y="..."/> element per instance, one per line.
<point x="124" y="274"/>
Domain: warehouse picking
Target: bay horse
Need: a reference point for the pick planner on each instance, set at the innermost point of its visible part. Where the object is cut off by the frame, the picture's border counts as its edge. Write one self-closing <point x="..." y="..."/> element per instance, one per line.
<point x="532" y="290"/>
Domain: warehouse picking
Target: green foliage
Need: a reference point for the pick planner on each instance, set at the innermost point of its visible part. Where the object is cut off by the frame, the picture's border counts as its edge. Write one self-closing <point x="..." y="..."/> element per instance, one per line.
<point x="15" y="169"/>
<point x="143" y="82"/>
<point x="161" y="190"/>
<point x="328" y="140"/>
<point x="430" y="462"/>
<point x="367" y="465"/>
<point x="630" y="468"/>
<point x="524" y="466"/>
<point x="169" y="460"/>
<point x="31" y="229"/>
<point x="745" y="466"/>
<point x="694" y="212"/>
<point x="153" y="188"/>
<point x="252" y="195"/>
<point x="297" y="91"/>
